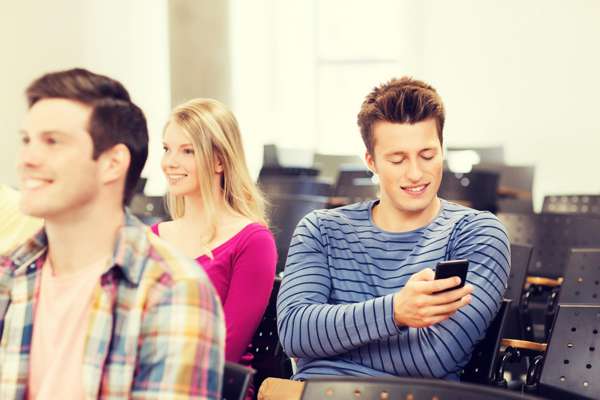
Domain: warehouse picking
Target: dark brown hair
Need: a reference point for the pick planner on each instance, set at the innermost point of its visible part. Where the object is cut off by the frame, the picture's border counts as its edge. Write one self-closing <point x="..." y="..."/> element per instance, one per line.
<point x="114" y="119"/>
<point x="403" y="101"/>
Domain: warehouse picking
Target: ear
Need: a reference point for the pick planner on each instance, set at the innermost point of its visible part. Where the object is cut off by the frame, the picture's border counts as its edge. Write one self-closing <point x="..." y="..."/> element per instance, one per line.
<point x="114" y="163"/>
<point x="219" y="166"/>
<point x="370" y="161"/>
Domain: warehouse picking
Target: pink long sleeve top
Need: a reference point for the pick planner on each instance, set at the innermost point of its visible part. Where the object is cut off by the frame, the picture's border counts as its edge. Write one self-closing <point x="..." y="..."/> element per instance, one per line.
<point x="242" y="271"/>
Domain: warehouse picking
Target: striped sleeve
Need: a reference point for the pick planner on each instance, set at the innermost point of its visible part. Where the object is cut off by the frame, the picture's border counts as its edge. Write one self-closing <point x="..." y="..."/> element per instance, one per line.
<point x="446" y="347"/>
<point x="309" y="327"/>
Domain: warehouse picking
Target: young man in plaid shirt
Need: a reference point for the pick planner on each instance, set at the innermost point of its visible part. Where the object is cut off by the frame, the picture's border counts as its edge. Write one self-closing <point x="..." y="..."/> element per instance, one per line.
<point x="95" y="306"/>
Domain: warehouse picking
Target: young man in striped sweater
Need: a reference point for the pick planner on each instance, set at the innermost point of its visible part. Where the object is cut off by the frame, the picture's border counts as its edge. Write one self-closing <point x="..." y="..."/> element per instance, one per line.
<point x="358" y="295"/>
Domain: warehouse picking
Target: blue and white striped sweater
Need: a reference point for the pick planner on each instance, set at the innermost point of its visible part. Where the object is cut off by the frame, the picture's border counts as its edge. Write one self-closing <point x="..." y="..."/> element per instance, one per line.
<point x="335" y="309"/>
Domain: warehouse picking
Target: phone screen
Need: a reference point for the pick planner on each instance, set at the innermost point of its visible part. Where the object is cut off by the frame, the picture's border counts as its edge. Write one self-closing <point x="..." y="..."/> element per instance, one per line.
<point x="447" y="269"/>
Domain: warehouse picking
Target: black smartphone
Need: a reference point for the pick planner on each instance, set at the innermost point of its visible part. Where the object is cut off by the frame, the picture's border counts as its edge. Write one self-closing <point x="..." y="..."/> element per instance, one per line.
<point x="447" y="269"/>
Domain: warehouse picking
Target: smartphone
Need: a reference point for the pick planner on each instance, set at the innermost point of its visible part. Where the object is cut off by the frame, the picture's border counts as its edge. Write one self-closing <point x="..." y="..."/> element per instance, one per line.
<point x="447" y="269"/>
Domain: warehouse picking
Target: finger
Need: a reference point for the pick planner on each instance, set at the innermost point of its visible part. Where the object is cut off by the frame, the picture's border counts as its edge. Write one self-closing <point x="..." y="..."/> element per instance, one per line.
<point x="438" y="285"/>
<point x="451" y="295"/>
<point x="447" y="308"/>
<point x="424" y="275"/>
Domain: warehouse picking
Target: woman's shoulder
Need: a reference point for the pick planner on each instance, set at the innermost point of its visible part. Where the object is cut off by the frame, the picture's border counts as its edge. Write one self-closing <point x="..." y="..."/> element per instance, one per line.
<point x="255" y="245"/>
<point x="252" y="231"/>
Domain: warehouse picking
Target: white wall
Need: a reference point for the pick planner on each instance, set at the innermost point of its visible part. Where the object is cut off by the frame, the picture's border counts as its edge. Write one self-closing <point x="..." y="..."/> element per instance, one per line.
<point x="521" y="74"/>
<point x="273" y="76"/>
<point x="525" y="74"/>
<point x="126" y="40"/>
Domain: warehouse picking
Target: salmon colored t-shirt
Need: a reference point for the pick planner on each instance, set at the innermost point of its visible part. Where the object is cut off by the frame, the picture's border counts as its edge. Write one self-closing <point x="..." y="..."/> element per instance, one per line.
<point x="59" y="330"/>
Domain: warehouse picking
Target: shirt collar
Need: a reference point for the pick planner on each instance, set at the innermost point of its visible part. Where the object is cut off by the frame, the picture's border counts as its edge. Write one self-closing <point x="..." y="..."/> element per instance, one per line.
<point x="132" y="248"/>
<point x="130" y="253"/>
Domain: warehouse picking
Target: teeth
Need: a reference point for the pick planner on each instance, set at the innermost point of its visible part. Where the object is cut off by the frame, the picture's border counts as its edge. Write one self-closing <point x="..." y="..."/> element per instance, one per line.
<point x="416" y="189"/>
<point x="33" y="183"/>
<point x="174" y="178"/>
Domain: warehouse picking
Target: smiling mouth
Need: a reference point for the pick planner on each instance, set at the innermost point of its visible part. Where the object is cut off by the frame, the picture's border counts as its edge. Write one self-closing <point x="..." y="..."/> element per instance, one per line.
<point x="34" y="183"/>
<point x="175" y="178"/>
<point x="415" y="190"/>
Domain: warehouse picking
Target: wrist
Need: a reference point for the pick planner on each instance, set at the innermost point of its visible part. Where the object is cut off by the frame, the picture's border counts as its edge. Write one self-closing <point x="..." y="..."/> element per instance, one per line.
<point x="397" y="315"/>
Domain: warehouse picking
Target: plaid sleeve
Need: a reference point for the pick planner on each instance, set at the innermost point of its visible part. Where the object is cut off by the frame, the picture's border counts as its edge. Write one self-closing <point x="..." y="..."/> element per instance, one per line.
<point x="5" y="285"/>
<point x="181" y="343"/>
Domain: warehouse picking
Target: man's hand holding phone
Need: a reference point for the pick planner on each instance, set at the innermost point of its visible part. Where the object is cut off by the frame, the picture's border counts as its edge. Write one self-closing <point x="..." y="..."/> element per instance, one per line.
<point x="425" y="300"/>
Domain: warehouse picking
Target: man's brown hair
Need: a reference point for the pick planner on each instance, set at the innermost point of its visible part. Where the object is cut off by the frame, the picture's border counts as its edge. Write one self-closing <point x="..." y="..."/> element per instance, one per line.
<point x="115" y="118"/>
<point x="404" y="101"/>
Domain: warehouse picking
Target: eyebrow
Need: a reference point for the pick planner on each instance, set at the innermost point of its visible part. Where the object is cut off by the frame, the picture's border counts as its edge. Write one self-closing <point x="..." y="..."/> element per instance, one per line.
<point x="181" y="145"/>
<point x="23" y="132"/>
<point x="401" y="153"/>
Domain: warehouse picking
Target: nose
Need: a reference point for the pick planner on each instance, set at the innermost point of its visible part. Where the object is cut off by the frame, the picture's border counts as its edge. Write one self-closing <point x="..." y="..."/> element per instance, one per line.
<point x="414" y="172"/>
<point x="29" y="156"/>
<point x="170" y="160"/>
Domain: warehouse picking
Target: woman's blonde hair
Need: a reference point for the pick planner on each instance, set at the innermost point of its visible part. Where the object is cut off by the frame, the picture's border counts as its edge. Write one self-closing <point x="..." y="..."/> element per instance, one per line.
<point x="215" y="136"/>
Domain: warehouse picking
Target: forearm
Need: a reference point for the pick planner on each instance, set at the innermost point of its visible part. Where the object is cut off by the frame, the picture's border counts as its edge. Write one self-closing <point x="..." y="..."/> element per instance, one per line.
<point x="325" y="330"/>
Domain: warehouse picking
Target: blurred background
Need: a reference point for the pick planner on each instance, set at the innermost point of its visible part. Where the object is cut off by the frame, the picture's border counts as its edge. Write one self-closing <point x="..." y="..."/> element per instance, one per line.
<point x="518" y="76"/>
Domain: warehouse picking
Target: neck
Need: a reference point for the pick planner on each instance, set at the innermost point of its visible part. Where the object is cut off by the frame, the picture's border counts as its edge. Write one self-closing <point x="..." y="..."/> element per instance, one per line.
<point x="83" y="237"/>
<point x="195" y="210"/>
<point x="391" y="219"/>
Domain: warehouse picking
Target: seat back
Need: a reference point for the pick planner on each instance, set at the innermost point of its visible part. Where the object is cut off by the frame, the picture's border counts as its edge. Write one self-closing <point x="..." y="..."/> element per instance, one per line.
<point x="515" y="180"/>
<point x="552" y="237"/>
<point x="477" y="189"/>
<point x="361" y="189"/>
<point x="149" y="209"/>
<point x="236" y="379"/>
<point x="572" y="204"/>
<point x="285" y="213"/>
<point x="581" y="282"/>
<point x="515" y="205"/>
<point x="520" y="256"/>
<point x="572" y="358"/>
<point x="492" y="154"/>
<point x="348" y="176"/>
<point x="329" y="165"/>
<point x="401" y="388"/>
<point x="269" y="360"/>
<point x="291" y="185"/>
<point x="482" y="366"/>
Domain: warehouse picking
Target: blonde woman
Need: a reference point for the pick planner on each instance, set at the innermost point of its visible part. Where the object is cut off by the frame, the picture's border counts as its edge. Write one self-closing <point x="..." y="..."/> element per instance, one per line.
<point x="219" y="215"/>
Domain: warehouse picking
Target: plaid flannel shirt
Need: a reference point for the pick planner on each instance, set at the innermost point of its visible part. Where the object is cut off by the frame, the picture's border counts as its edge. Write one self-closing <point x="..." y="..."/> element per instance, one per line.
<point x="156" y="329"/>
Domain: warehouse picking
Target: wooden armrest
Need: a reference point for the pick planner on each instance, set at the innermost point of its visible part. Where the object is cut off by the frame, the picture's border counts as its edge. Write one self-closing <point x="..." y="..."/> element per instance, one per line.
<point x="542" y="281"/>
<point x="524" y="344"/>
<point x="280" y="389"/>
<point x="507" y="191"/>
